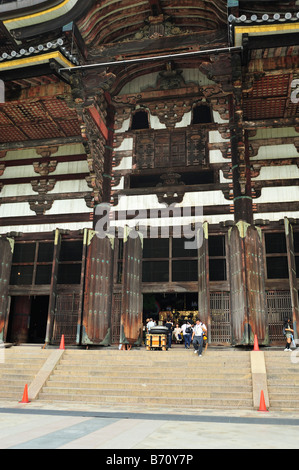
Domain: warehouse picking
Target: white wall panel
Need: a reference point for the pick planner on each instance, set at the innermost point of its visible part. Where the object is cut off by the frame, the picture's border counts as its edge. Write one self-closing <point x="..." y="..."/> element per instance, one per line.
<point x="279" y="194"/>
<point x="278" y="172"/>
<point x="15" y="210"/>
<point x="70" y="206"/>
<point x="46" y="227"/>
<point x="268" y="152"/>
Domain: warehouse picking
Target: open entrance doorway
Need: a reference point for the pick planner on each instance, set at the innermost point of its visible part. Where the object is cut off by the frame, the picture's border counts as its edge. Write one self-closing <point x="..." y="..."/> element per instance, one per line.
<point x="28" y="319"/>
<point x="178" y="306"/>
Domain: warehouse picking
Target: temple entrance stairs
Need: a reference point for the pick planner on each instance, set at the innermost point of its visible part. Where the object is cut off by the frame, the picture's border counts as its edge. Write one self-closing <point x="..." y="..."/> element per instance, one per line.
<point x="176" y="379"/>
<point x="19" y="366"/>
<point x="283" y="379"/>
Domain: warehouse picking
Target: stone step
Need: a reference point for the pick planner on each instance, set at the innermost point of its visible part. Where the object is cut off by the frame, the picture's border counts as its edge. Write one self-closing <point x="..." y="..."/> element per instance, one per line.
<point x="209" y="381"/>
<point x="160" y="375"/>
<point x="141" y="385"/>
<point x="146" y="391"/>
<point x="175" y="402"/>
<point x="284" y="405"/>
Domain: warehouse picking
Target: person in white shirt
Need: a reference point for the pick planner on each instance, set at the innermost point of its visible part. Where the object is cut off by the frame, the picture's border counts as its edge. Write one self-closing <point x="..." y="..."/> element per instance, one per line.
<point x="150" y="325"/>
<point x="187" y="332"/>
<point x="197" y="336"/>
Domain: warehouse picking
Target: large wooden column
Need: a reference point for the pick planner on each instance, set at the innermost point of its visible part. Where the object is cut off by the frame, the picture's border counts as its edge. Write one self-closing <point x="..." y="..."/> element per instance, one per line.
<point x="247" y="285"/>
<point x="96" y="322"/>
<point x="203" y="281"/>
<point x="53" y="288"/>
<point x="6" y="252"/>
<point x="292" y="276"/>
<point x="131" y="314"/>
<point x="247" y="277"/>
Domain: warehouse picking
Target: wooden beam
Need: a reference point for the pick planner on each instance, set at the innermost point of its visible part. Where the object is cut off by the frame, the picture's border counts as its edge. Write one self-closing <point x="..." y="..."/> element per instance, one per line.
<point x="41" y="143"/>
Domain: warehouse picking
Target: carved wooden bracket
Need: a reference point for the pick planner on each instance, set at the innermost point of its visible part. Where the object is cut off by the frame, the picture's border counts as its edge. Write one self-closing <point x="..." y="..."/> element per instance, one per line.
<point x="44" y="168"/>
<point x="43" y="186"/>
<point x="89" y="199"/>
<point x="176" y="191"/>
<point x="46" y="152"/>
<point x="41" y="205"/>
<point x="3" y="153"/>
<point x="2" y="168"/>
<point x="170" y="112"/>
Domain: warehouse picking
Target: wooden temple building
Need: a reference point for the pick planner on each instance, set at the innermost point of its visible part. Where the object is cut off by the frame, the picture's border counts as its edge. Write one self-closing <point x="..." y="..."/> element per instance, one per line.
<point x="136" y="107"/>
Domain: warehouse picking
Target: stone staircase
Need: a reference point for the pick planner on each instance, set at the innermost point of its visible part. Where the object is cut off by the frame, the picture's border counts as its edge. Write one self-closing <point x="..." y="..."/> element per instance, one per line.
<point x="139" y="379"/>
<point x="283" y="379"/>
<point x="175" y="379"/>
<point x="19" y="366"/>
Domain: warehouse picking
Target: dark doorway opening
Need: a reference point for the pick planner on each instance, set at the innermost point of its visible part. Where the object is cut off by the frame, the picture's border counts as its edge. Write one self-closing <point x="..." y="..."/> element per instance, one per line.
<point x="180" y="305"/>
<point x="28" y="319"/>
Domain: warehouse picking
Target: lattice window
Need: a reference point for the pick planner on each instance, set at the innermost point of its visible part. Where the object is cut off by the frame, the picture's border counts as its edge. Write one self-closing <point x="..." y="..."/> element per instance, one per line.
<point x="279" y="307"/>
<point x="66" y="318"/>
<point x="220" y="317"/>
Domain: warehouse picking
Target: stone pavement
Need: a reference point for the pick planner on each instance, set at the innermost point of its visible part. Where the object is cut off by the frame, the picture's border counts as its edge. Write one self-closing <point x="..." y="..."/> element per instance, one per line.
<point x="69" y="426"/>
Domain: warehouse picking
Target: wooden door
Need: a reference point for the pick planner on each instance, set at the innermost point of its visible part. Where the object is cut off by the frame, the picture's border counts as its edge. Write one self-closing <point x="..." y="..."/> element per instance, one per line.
<point x="20" y="319"/>
<point x="6" y="251"/>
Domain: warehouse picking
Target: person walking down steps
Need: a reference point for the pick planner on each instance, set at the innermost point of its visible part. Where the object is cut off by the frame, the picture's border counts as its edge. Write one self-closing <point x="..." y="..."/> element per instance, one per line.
<point x="288" y="333"/>
<point x="197" y="337"/>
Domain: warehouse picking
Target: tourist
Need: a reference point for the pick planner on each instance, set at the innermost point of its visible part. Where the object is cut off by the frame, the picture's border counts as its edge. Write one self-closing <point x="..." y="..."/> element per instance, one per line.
<point x="177" y="333"/>
<point x="288" y="333"/>
<point x="169" y="325"/>
<point x="197" y="336"/>
<point x="187" y="333"/>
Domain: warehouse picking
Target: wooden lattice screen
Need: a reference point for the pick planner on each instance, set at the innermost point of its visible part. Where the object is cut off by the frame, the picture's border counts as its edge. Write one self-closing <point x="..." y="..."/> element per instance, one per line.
<point x="220" y="317"/>
<point x="279" y="308"/>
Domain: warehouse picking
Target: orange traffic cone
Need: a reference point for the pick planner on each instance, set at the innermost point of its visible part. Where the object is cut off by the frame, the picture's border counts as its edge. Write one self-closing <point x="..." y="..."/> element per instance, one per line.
<point x="256" y="344"/>
<point x="62" y="343"/>
<point x="25" y="395"/>
<point x="262" y="403"/>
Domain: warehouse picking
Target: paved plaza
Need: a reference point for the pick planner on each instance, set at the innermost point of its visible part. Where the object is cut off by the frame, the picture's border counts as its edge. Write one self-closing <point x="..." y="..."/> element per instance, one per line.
<point x="36" y="426"/>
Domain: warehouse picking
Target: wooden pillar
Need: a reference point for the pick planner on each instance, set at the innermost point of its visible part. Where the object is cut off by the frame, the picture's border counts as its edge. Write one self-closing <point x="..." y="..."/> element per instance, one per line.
<point x="203" y="281"/>
<point x="131" y="315"/>
<point x="6" y="252"/>
<point x="247" y="285"/>
<point x="96" y="323"/>
<point x="53" y="288"/>
<point x="292" y="276"/>
<point x="239" y="149"/>
<point x="247" y="277"/>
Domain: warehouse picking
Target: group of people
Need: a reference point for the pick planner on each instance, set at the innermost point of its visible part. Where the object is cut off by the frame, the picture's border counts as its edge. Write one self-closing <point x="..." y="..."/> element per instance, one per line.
<point x="188" y="332"/>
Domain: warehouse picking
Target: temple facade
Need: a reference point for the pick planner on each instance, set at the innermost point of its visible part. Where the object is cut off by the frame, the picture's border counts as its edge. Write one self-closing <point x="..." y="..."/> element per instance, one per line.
<point x="149" y="166"/>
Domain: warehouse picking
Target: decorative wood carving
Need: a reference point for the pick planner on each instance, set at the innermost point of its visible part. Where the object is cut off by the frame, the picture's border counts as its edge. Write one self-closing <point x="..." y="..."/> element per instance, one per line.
<point x="43" y="186"/>
<point x="176" y="191"/>
<point x="171" y="112"/>
<point x="2" y="169"/>
<point x="3" y="153"/>
<point x="197" y="147"/>
<point x="46" y="152"/>
<point x="163" y="149"/>
<point x="44" y="168"/>
<point x="41" y="205"/>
